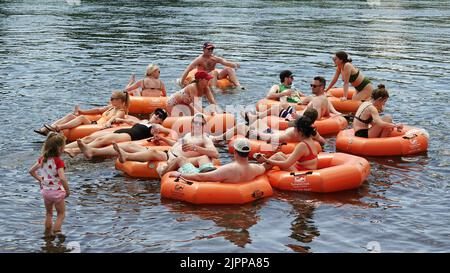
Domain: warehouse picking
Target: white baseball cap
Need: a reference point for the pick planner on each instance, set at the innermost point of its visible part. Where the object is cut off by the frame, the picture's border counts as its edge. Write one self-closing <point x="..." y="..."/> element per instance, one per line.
<point x="242" y="145"/>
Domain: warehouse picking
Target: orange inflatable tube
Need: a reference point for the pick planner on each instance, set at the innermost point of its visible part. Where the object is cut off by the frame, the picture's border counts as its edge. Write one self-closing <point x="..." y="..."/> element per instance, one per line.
<point x="222" y="84"/>
<point x="265" y="104"/>
<point x="408" y="141"/>
<point x="348" y="106"/>
<point x="261" y="146"/>
<point x="218" y="123"/>
<point x="325" y="126"/>
<point x="336" y="172"/>
<point x="215" y="192"/>
<point x="146" y="105"/>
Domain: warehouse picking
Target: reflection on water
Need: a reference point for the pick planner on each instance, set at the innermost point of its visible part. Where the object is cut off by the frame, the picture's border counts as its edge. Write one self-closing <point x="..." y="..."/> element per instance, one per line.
<point x="234" y="221"/>
<point x="55" y="55"/>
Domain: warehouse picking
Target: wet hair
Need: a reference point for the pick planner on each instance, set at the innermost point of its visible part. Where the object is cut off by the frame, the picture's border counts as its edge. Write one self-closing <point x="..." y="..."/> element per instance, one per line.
<point x="321" y="80"/>
<point x="304" y="125"/>
<point x="52" y="145"/>
<point x="161" y="113"/>
<point x="284" y="74"/>
<point x="342" y="55"/>
<point x="124" y="97"/>
<point x="380" y="92"/>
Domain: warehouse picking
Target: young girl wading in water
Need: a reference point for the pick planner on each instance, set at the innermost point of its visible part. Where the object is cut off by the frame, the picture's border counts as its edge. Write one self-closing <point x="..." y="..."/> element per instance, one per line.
<point x="49" y="172"/>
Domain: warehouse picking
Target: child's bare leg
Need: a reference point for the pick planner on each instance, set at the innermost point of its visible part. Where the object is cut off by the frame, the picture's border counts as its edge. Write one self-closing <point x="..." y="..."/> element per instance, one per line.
<point x="48" y="218"/>
<point x="61" y="214"/>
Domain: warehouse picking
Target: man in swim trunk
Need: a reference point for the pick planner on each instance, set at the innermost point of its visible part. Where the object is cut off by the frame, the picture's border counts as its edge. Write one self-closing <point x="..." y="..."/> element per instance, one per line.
<point x="208" y="61"/>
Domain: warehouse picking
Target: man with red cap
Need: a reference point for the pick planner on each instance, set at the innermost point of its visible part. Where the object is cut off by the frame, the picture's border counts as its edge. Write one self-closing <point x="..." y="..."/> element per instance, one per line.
<point x="207" y="62"/>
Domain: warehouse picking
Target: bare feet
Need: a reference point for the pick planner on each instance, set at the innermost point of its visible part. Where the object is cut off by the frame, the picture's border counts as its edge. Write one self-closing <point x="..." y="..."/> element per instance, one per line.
<point x="120" y="153"/>
<point x="70" y="152"/>
<point x="42" y="131"/>
<point x="53" y="128"/>
<point x="76" y="110"/>
<point x="86" y="150"/>
<point x="161" y="169"/>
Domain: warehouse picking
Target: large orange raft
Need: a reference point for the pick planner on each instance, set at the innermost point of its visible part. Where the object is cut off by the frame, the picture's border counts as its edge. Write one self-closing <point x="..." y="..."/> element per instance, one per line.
<point x="217" y="123"/>
<point x="222" y="83"/>
<point x="215" y="192"/>
<point x="409" y="140"/>
<point x="146" y="105"/>
<point x="348" y="106"/>
<point x="336" y="172"/>
<point x="263" y="147"/>
<point x="325" y="126"/>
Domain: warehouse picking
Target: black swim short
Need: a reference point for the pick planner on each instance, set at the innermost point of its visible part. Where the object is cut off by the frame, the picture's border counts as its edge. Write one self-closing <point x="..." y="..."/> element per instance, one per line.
<point x="362" y="133"/>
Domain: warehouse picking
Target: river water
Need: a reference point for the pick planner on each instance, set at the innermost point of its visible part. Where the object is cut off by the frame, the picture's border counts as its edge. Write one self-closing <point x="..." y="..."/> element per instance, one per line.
<point x="55" y="54"/>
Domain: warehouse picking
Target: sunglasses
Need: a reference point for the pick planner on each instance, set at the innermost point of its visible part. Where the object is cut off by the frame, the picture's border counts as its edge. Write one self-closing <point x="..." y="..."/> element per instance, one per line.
<point x="210" y="49"/>
<point x="314" y="86"/>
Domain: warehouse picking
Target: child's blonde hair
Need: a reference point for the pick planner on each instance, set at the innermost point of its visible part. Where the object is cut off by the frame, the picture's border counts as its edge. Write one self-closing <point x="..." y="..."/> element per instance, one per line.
<point x="52" y="145"/>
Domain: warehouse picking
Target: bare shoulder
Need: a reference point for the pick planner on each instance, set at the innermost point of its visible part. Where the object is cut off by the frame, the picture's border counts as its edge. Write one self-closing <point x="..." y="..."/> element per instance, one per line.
<point x="257" y="168"/>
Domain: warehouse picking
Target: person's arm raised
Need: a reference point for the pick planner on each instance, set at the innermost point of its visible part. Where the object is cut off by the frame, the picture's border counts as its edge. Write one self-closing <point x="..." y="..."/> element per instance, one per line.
<point x="94" y="111"/>
<point x="133" y="87"/>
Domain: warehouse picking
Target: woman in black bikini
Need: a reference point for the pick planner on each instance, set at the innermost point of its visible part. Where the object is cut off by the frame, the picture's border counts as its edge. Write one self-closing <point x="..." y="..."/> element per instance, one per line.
<point x="368" y="114"/>
<point x="138" y="131"/>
